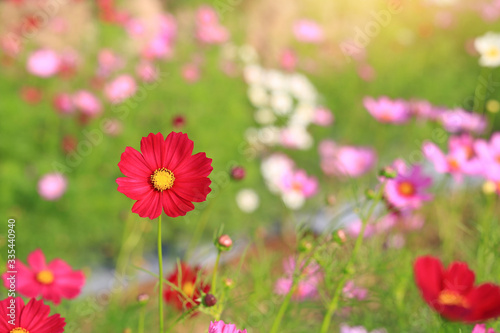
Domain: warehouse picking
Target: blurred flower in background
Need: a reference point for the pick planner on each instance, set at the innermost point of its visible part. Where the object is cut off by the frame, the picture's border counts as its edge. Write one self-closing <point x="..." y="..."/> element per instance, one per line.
<point x="52" y="186"/>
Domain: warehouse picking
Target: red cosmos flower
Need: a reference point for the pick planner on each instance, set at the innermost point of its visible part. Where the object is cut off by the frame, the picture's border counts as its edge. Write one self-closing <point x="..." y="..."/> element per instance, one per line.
<point x="190" y="281"/>
<point x="30" y="318"/>
<point x="451" y="292"/>
<point x="164" y="175"/>
<point x="52" y="281"/>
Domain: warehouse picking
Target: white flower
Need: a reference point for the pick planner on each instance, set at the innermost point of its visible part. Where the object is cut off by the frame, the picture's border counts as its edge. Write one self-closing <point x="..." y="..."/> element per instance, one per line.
<point x="273" y="168"/>
<point x="303" y="115"/>
<point x="488" y="47"/>
<point x="258" y="95"/>
<point x="248" y="54"/>
<point x="269" y="135"/>
<point x="264" y="116"/>
<point x="296" y="137"/>
<point x="253" y="74"/>
<point x="247" y="200"/>
<point x="275" y="80"/>
<point x="293" y="199"/>
<point x="302" y="88"/>
<point x="281" y="103"/>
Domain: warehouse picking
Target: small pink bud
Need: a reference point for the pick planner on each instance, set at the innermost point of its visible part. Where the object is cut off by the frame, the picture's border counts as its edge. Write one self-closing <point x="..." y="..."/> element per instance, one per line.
<point x="225" y="241"/>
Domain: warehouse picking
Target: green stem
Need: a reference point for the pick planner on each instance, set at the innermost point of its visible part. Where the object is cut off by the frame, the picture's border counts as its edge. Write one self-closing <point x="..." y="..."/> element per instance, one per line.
<point x="214" y="275"/>
<point x="283" y="309"/>
<point x="142" y="315"/>
<point x="160" y="275"/>
<point x="348" y="271"/>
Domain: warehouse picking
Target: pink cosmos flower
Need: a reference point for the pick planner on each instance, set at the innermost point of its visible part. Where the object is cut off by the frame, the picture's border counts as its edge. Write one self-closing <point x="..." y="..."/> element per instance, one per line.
<point x="52" y="281"/>
<point x="147" y="71"/>
<point x="208" y="28"/>
<point x="353" y="229"/>
<point x="344" y="328"/>
<point x="489" y="156"/>
<point x="461" y="158"/>
<point x="43" y="63"/>
<point x="109" y="62"/>
<point x="459" y="120"/>
<point x="296" y="186"/>
<point x="221" y="327"/>
<point x="349" y="161"/>
<point x="311" y="276"/>
<point x="323" y="117"/>
<point x="288" y="60"/>
<point x="308" y="31"/>
<point x="366" y="72"/>
<point x="191" y="73"/>
<point x="350" y="290"/>
<point x="481" y="328"/>
<point x="87" y="103"/>
<point x="424" y="110"/>
<point x="386" y="110"/>
<point x="52" y="186"/>
<point x="408" y="189"/>
<point x="120" y="89"/>
<point x="63" y="103"/>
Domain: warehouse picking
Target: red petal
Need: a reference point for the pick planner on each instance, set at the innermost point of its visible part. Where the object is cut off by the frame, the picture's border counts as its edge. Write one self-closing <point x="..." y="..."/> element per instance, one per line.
<point x="192" y="189"/>
<point x="193" y="167"/>
<point x="149" y="206"/>
<point x="132" y="164"/>
<point x="429" y="278"/>
<point x="178" y="149"/>
<point x="133" y="188"/>
<point x="153" y="150"/>
<point x="175" y="206"/>
<point x="485" y="302"/>
<point x="36" y="260"/>
<point x="459" y="278"/>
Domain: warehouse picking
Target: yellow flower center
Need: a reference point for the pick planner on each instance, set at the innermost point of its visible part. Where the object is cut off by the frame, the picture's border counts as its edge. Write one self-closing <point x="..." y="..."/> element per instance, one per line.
<point x="406" y="189"/>
<point x="45" y="277"/>
<point x="162" y="179"/>
<point x="498" y="159"/>
<point x="188" y="289"/>
<point x="448" y="297"/>
<point x="493" y="52"/>
<point x="453" y="164"/>
<point x="19" y="330"/>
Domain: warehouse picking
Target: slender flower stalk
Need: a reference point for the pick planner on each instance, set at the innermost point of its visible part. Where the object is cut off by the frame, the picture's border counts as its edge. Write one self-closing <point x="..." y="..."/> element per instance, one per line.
<point x="142" y="314"/>
<point x="349" y="268"/>
<point x="214" y="275"/>
<point x="160" y="275"/>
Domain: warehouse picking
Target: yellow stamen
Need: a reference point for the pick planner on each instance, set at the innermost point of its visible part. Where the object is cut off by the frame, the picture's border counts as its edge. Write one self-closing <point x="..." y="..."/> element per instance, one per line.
<point x="45" y="277"/>
<point x="19" y="330"/>
<point x="448" y="297"/>
<point x="493" y="52"/>
<point x="453" y="164"/>
<point x="162" y="179"/>
<point x="406" y="189"/>
<point x="188" y="289"/>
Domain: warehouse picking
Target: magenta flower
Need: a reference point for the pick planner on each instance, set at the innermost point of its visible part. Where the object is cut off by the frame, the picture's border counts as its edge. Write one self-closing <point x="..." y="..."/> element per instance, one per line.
<point x="481" y="328"/>
<point x="308" y="31"/>
<point x="351" y="291"/>
<point x="52" y="281"/>
<point x="52" y="186"/>
<point x="191" y="73"/>
<point x="386" y="110"/>
<point x="344" y="328"/>
<point x="288" y="60"/>
<point x="407" y="190"/>
<point x="109" y="62"/>
<point x="489" y="156"/>
<point x="120" y="89"/>
<point x="43" y="63"/>
<point x="63" y="103"/>
<point x="147" y="71"/>
<point x="221" y="327"/>
<point x="310" y="278"/>
<point x="296" y="186"/>
<point x="459" y="120"/>
<point x="208" y="28"/>
<point x="87" y="103"/>
<point x="349" y="161"/>
<point x="460" y="160"/>
<point x="353" y="229"/>
<point x="323" y="117"/>
<point x="424" y="110"/>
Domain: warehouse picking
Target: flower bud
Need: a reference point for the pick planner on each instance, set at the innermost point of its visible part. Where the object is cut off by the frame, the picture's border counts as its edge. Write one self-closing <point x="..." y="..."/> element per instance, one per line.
<point x="371" y="194"/>
<point x="224" y="243"/>
<point x="388" y="172"/>
<point x="228" y="282"/>
<point x="209" y="300"/>
<point x="339" y="236"/>
<point x="238" y="173"/>
<point x="143" y="298"/>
